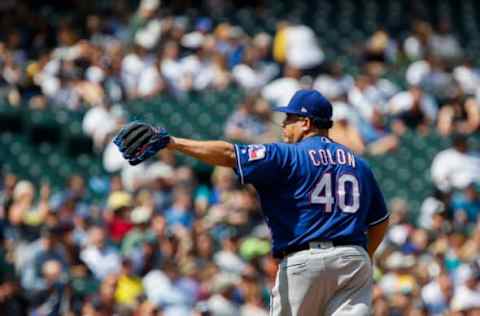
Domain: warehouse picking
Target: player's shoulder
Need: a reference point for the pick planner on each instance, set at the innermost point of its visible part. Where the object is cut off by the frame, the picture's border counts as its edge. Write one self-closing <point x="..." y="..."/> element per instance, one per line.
<point x="280" y="146"/>
<point x="361" y="162"/>
<point x="280" y="149"/>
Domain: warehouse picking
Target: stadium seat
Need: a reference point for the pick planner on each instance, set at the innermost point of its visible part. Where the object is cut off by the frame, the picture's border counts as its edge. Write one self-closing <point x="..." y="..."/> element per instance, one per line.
<point x="43" y="126"/>
<point x="10" y="118"/>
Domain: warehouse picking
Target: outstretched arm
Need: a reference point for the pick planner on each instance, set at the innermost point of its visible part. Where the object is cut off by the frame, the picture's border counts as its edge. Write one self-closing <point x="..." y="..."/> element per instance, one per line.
<point x="138" y="141"/>
<point x="215" y="152"/>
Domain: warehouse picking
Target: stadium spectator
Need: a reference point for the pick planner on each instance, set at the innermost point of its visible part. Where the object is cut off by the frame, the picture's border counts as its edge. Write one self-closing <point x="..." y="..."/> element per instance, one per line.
<point x="460" y="115"/>
<point x="253" y="73"/>
<point x="434" y="206"/>
<point x="47" y="248"/>
<point x="438" y="294"/>
<point x="455" y="167"/>
<point x="221" y="303"/>
<point x="101" y="121"/>
<point x="133" y="65"/>
<point x="467" y="295"/>
<point x="377" y="135"/>
<point x="335" y="83"/>
<point x="10" y="290"/>
<point x="380" y="48"/>
<point x="416" y="44"/>
<point x="49" y="295"/>
<point x="438" y="81"/>
<point x="467" y="77"/>
<point x="444" y="44"/>
<point x="280" y="90"/>
<point x="466" y="205"/>
<point x="412" y="109"/>
<point x="180" y="213"/>
<point x="418" y="70"/>
<point x="364" y="97"/>
<point x="344" y="130"/>
<point x="297" y="46"/>
<point x="100" y="258"/>
<point x="251" y="122"/>
<point x="117" y="214"/>
<point x="139" y="234"/>
<point x="170" y="66"/>
<point x="129" y="286"/>
<point x="151" y="81"/>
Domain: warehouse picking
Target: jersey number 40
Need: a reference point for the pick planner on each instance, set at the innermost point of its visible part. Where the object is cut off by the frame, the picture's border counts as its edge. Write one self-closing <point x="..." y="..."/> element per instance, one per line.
<point x="322" y="194"/>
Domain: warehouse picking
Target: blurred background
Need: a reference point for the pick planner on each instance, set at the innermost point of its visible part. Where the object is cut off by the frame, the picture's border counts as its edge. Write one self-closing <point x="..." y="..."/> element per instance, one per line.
<point x="82" y="233"/>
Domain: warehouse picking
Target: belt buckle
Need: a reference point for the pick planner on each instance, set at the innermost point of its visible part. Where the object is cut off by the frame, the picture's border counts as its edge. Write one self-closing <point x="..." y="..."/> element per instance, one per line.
<point x="321" y="244"/>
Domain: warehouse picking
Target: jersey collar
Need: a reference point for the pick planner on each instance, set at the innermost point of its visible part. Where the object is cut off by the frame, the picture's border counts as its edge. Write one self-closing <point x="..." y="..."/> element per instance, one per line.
<point x="324" y="139"/>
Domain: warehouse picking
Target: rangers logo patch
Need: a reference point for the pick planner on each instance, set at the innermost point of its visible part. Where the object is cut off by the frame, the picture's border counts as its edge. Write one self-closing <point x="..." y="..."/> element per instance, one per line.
<point x="256" y="152"/>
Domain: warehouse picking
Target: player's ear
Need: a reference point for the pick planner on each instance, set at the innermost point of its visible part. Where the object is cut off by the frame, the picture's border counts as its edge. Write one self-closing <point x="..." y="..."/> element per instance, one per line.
<point x="307" y="124"/>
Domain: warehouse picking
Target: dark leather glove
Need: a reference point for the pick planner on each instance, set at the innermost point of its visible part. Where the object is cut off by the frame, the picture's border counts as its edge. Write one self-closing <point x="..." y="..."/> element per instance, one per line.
<point x="138" y="141"/>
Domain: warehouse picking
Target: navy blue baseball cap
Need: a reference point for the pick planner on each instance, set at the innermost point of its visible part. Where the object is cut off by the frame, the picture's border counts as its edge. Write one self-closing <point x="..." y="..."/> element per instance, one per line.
<point x="309" y="103"/>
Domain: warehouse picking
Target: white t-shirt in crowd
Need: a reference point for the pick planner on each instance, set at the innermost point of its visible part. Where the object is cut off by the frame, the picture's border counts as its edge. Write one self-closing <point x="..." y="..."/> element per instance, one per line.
<point x="148" y="81"/>
<point x="416" y="72"/>
<point x="468" y="78"/>
<point x="132" y="68"/>
<point x="280" y="91"/>
<point x="172" y="71"/>
<point x="452" y="169"/>
<point x="303" y="50"/>
<point x="102" y="262"/>
<point x="403" y="101"/>
<point x="332" y="87"/>
<point x="366" y="101"/>
<point x="465" y="299"/>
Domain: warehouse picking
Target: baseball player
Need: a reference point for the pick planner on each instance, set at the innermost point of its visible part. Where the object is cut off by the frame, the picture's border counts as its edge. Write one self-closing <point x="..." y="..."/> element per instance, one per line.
<point x="322" y="204"/>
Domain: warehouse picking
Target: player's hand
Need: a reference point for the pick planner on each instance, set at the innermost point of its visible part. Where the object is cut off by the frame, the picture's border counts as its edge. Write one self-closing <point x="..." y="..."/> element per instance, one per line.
<point x="138" y="141"/>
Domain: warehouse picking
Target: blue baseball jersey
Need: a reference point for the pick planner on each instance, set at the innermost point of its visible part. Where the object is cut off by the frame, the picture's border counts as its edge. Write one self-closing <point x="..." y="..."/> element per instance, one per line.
<point x="312" y="190"/>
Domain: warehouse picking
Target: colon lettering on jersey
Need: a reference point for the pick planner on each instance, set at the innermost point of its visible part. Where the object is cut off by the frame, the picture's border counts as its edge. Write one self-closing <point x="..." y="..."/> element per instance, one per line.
<point x="327" y="157"/>
<point x="256" y="152"/>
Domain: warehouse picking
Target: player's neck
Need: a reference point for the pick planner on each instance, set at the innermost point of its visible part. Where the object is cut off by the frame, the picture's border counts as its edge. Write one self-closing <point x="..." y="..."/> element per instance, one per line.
<point x="316" y="132"/>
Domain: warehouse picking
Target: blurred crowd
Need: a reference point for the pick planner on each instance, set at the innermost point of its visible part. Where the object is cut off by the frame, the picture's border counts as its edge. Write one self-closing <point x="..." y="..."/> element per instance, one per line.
<point x="165" y="243"/>
<point x="97" y="62"/>
<point x="170" y="245"/>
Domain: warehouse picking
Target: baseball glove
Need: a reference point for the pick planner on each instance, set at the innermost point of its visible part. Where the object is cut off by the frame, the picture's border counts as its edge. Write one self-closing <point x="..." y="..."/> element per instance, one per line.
<point x="138" y="141"/>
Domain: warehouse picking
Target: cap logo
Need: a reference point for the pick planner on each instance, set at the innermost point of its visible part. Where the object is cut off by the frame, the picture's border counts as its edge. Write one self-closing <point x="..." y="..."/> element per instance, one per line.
<point x="304" y="110"/>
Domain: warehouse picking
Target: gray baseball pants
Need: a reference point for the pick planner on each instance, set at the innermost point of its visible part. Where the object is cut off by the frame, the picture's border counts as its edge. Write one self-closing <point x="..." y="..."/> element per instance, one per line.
<point x="323" y="280"/>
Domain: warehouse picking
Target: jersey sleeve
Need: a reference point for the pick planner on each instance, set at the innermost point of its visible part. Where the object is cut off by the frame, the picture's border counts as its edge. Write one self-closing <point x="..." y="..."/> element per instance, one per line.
<point x="258" y="164"/>
<point x="378" y="210"/>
